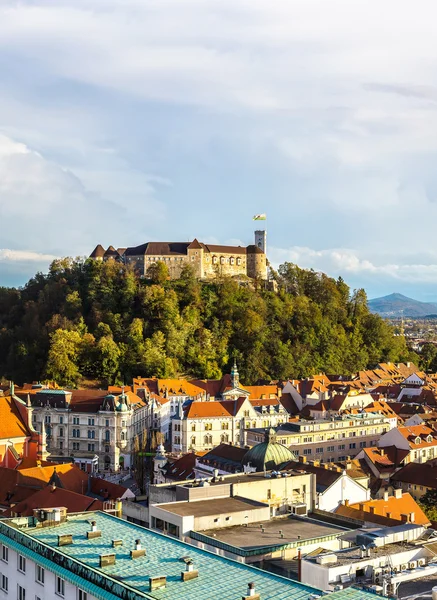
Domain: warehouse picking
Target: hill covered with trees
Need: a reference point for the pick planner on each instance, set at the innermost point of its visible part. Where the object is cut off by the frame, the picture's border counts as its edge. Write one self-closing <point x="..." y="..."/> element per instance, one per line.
<point x="95" y="320"/>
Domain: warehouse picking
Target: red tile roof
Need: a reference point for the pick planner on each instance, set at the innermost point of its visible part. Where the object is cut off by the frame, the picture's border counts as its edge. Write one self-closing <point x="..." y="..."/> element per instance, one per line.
<point x="50" y="497"/>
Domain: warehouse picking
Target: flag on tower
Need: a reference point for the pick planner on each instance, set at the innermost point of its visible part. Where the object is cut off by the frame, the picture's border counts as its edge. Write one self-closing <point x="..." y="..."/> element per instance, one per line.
<point x="261" y="217"/>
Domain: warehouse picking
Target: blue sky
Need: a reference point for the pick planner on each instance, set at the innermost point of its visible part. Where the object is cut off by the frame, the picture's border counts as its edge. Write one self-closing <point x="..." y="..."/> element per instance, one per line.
<point x="123" y="121"/>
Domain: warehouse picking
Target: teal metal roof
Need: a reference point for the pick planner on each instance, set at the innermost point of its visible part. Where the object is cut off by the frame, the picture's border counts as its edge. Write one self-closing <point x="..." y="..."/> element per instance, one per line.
<point x="219" y="577"/>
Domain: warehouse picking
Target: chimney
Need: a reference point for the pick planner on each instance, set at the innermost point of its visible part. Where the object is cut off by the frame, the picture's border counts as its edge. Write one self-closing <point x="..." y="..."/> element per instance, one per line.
<point x="372" y="510"/>
<point x="346" y="502"/>
<point x="412" y="517"/>
<point x="385" y="496"/>
<point x="190" y="572"/>
<point x="251" y="593"/>
<point x="388" y="514"/>
<point x="139" y="551"/>
<point x="302" y="459"/>
<point x="326" y="465"/>
<point x="381" y="451"/>
<point x="398" y="493"/>
<point x="94" y="533"/>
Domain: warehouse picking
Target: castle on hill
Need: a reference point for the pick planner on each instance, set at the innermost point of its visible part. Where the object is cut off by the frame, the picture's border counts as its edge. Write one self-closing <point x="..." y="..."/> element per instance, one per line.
<point x="207" y="260"/>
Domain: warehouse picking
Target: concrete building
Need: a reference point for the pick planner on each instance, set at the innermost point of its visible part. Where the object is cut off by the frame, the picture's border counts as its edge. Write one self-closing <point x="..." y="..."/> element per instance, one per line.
<point x="88" y="556"/>
<point x="379" y="559"/>
<point x="329" y="440"/>
<point x="207" y="260"/>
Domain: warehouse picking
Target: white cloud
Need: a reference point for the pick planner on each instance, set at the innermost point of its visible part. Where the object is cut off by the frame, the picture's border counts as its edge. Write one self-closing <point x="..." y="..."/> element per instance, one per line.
<point x="119" y="117"/>
<point x="27" y="256"/>
<point x="346" y="262"/>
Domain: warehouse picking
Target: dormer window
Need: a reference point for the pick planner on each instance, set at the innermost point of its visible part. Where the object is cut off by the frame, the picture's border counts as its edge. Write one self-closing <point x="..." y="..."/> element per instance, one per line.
<point x="417" y="440"/>
<point x="429" y="438"/>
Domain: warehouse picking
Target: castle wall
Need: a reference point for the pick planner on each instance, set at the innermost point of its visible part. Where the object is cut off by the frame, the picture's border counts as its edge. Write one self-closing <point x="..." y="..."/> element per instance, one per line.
<point x="224" y="264"/>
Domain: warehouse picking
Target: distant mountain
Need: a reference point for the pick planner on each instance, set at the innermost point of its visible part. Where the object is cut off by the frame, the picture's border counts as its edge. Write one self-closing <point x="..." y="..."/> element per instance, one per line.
<point x="398" y="305"/>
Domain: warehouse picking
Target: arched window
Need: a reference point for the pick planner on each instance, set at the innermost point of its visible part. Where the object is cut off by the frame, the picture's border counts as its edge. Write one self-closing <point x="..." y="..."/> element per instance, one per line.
<point x="193" y="427"/>
<point x="222" y="260"/>
<point x="214" y="260"/>
<point x="232" y="260"/>
<point x="107" y="436"/>
<point x="123" y="436"/>
<point x="193" y="440"/>
<point x="208" y="439"/>
<point x="224" y="438"/>
<point x="238" y="261"/>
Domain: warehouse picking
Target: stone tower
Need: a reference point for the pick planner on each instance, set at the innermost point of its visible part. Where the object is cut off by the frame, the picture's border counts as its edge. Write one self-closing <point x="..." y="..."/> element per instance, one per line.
<point x="261" y="240"/>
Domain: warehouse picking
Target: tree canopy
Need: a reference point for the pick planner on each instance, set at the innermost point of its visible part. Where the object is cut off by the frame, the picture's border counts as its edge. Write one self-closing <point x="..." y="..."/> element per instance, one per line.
<point x="98" y="320"/>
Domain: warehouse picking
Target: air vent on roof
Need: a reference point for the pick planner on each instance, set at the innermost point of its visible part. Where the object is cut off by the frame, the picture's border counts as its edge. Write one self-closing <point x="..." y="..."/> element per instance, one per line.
<point x="116" y="543"/>
<point x="94" y="533"/>
<point x="65" y="539"/>
<point x="107" y="559"/>
<point x="157" y="582"/>
<point x="190" y="572"/>
<point x="251" y="593"/>
<point x="138" y="551"/>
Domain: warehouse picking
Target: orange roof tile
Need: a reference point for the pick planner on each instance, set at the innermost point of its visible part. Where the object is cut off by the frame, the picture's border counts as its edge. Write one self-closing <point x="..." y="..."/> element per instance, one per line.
<point x="11" y="423"/>
<point x="226" y="408"/>
<point x="396" y="507"/>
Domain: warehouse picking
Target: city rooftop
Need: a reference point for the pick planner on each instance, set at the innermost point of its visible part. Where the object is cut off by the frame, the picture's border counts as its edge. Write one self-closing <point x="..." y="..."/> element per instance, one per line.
<point x="80" y="562"/>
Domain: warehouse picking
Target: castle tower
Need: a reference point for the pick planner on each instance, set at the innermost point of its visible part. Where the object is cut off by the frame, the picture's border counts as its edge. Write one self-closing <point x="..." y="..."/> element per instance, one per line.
<point x="235" y="376"/>
<point x="261" y="240"/>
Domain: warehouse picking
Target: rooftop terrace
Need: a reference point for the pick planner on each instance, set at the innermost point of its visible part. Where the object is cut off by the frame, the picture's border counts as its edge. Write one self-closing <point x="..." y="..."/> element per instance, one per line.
<point x="267" y="533"/>
<point x="129" y="578"/>
<point x="212" y="506"/>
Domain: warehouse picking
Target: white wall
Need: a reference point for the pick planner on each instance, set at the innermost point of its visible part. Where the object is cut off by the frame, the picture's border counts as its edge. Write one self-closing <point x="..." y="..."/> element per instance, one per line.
<point x="27" y="580"/>
<point x="345" y="488"/>
<point x="321" y="576"/>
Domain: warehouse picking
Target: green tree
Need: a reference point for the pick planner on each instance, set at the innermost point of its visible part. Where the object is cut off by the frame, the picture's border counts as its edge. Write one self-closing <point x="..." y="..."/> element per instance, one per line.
<point x="63" y="356"/>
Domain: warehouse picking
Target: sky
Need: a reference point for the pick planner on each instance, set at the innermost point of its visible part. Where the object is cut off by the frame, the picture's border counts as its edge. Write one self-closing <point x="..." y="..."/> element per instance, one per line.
<point x="126" y="121"/>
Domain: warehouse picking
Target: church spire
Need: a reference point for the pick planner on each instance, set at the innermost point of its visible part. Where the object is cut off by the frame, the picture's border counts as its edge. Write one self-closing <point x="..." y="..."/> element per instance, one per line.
<point x="235" y="377"/>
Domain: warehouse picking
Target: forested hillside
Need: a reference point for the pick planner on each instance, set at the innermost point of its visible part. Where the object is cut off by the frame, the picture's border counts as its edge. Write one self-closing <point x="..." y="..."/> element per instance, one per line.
<point x="95" y="320"/>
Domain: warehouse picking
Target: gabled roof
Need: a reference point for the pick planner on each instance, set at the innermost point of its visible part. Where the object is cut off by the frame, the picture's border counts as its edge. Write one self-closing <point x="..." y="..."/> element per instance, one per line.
<point x="224" y="454"/>
<point x="213" y="387"/>
<point x="289" y="404"/>
<point x="385" y="458"/>
<point x="159" y="249"/>
<point x="385" y="511"/>
<point x="224" y="408"/>
<point x="50" y="497"/>
<point x="174" y="387"/>
<point x="11" y="423"/>
<point x="258" y="391"/>
<point x="324" y="477"/>
<point x="418" y="473"/>
<point x="181" y="469"/>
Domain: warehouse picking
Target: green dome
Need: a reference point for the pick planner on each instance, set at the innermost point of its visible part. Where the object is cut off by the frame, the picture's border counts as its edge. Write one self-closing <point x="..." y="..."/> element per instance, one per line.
<point x="122" y="403"/>
<point x="268" y="455"/>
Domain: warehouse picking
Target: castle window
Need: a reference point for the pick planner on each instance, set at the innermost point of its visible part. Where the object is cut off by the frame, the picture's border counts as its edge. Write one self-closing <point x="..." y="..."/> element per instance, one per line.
<point x="232" y="260"/>
<point x="222" y="260"/>
<point x="238" y="261"/>
<point x="214" y="260"/>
